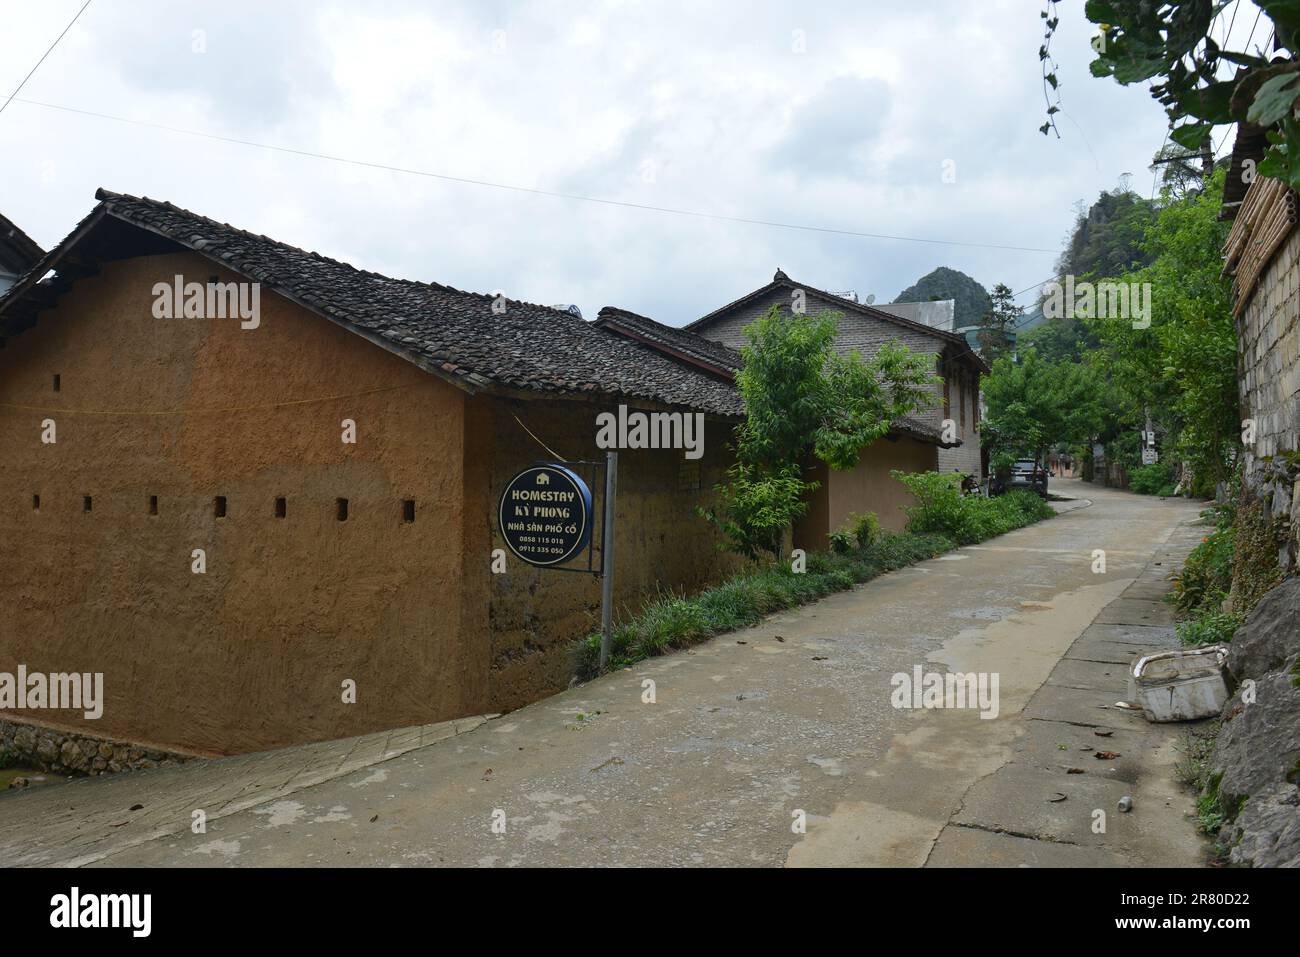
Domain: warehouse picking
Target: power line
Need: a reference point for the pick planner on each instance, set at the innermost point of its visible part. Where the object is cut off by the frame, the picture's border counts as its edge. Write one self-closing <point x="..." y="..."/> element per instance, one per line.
<point x="1252" y="30"/>
<point x="532" y="190"/>
<point x="1155" y="173"/>
<point x="1017" y="295"/>
<point x="44" y="55"/>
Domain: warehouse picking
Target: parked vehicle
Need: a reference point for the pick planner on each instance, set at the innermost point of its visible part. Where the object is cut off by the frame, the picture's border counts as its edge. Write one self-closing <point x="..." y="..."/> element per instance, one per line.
<point x="1026" y="475"/>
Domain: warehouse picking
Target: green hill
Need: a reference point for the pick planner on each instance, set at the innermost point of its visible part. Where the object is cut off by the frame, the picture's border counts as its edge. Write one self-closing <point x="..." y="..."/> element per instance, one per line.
<point x="971" y="298"/>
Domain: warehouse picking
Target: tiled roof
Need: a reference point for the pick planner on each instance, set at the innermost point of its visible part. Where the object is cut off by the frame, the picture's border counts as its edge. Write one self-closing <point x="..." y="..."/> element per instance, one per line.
<point x="723" y="360"/>
<point x="17" y="250"/>
<point x="446" y="331"/>
<point x="689" y="347"/>
<point x="917" y="429"/>
<point x="783" y="282"/>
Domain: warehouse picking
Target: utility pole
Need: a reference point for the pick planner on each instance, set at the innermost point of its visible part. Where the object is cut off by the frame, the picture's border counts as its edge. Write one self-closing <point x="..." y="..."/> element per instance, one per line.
<point x="607" y="558"/>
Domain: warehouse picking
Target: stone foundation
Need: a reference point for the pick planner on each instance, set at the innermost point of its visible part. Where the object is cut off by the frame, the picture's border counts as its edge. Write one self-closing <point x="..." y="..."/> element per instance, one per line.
<point x="67" y="752"/>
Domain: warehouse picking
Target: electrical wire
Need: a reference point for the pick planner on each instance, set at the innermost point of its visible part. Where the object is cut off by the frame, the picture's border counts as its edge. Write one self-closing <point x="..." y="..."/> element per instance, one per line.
<point x="44" y="55"/>
<point x="470" y="181"/>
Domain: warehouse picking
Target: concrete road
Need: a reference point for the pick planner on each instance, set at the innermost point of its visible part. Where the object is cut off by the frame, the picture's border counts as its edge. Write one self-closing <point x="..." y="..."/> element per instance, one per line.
<point x="748" y="736"/>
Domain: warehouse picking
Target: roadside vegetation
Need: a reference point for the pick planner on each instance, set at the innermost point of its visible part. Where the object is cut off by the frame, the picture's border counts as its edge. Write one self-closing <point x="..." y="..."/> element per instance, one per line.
<point x="941" y="509"/>
<point x="1087" y="378"/>
<point x="940" y="521"/>
<point x="804" y="401"/>
<point x="1227" y="574"/>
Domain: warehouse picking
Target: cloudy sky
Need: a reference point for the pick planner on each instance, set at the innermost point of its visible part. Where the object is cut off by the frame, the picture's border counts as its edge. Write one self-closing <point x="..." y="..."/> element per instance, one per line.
<point x="838" y="115"/>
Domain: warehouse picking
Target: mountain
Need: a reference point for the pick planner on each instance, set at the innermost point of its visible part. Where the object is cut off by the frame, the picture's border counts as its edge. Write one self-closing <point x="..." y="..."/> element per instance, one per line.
<point x="972" y="299"/>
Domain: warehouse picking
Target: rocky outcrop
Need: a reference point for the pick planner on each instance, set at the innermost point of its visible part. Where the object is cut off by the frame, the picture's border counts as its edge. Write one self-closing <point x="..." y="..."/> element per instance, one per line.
<point x="1260" y="742"/>
<point x="1267" y="831"/>
<point x="1256" y="760"/>
<point x="65" y="752"/>
<point x="1270" y="635"/>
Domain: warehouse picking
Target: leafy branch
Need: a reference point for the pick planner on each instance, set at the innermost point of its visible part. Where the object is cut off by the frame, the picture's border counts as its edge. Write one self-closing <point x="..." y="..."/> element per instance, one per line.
<point x="1171" y="45"/>
<point x="1051" y="20"/>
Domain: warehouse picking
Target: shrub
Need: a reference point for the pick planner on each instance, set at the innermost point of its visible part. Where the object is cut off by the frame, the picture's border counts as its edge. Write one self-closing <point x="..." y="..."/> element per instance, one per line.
<point x="841" y="541"/>
<point x="941" y="509"/>
<point x="755" y="509"/>
<point x="1207" y="572"/>
<point x="865" y="528"/>
<point x="1151" y="479"/>
<point x="859" y="531"/>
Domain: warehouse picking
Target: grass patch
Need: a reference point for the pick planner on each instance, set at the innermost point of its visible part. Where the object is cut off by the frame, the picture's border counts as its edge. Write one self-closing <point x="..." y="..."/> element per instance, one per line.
<point x="1213" y="808"/>
<point x="1197" y="746"/>
<point x="673" y="621"/>
<point x="1208" y="627"/>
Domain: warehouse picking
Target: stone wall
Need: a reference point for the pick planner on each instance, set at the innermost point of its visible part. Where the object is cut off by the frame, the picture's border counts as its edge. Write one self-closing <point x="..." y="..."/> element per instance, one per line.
<point x="1255" y="766"/>
<point x="69" y="752"/>
<point x="1256" y="761"/>
<point x="1268" y="372"/>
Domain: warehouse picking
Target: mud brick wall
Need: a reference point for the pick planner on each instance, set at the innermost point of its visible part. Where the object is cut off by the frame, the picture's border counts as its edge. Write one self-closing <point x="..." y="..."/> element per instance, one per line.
<point x="97" y="530"/>
<point x="662" y="546"/>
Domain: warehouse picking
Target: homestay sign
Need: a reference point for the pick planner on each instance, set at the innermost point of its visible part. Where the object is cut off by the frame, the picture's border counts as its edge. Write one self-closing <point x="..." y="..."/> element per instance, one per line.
<point x="545" y="515"/>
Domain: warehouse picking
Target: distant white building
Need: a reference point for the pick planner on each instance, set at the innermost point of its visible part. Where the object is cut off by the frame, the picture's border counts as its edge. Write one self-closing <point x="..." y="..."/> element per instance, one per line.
<point x="937" y="314"/>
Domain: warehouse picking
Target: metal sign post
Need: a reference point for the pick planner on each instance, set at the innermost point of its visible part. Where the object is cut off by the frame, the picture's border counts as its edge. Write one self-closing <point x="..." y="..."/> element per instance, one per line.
<point x="607" y="558"/>
<point x="545" y="517"/>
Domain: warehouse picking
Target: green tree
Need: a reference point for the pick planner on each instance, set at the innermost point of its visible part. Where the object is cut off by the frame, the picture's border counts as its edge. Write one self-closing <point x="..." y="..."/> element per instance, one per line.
<point x="997" y="330"/>
<point x="802" y="399"/>
<point x="1035" y="404"/>
<point x="1182" y="370"/>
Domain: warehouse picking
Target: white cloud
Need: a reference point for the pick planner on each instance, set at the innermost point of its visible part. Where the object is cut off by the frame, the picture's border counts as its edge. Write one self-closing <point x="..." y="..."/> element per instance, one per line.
<point x="662" y="104"/>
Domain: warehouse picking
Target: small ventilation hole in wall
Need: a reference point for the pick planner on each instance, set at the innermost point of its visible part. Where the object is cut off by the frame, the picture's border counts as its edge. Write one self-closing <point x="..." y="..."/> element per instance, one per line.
<point x="219" y="506"/>
<point x="342" y="505"/>
<point x="36" y="503"/>
<point x="57" y="382"/>
<point x="408" y="510"/>
<point x="153" y="504"/>
<point x="281" y="508"/>
<point x="85" y="503"/>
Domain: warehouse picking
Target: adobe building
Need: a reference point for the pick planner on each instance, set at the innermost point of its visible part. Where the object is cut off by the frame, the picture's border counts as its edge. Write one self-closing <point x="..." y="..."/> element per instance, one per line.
<point x="135" y="444"/>
<point x="914" y="444"/>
